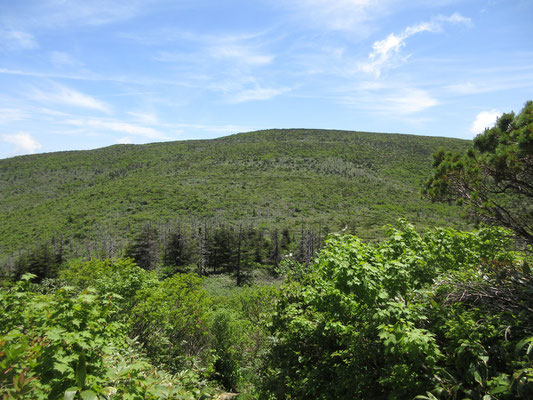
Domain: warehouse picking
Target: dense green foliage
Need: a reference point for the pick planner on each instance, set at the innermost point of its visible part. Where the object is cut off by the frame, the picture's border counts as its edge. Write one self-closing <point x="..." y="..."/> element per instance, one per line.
<point x="494" y="177"/>
<point x="448" y="315"/>
<point x="171" y="320"/>
<point x="94" y="202"/>
<point x="64" y="344"/>
<point x="71" y="336"/>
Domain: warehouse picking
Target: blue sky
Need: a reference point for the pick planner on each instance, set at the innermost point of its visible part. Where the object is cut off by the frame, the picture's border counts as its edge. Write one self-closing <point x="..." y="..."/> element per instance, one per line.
<point x="87" y="74"/>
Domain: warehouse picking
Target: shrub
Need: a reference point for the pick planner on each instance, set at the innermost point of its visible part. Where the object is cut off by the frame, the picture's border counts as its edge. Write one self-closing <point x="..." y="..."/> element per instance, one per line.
<point x="68" y="345"/>
<point x="445" y="315"/>
<point x="170" y="320"/>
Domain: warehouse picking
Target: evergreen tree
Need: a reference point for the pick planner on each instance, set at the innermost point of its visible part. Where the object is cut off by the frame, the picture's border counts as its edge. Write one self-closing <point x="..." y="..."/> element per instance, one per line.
<point x="275" y="251"/>
<point x="144" y="248"/>
<point x="493" y="180"/>
<point x="41" y="261"/>
<point x="176" y="252"/>
<point x="286" y="239"/>
<point x="221" y="257"/>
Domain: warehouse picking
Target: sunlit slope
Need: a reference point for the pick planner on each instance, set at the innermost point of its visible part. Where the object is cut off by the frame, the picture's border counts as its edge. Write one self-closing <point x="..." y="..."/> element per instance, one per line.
<point x="272" y="178"/>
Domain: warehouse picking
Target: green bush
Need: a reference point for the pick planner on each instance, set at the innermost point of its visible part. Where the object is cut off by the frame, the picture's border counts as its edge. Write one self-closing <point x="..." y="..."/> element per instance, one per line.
<point x="444" y="315"/>
<point x="66" y="345"/>
<point x="119" y="276"/>
<point x="171" y="320"/>
<point x="240" y="335"/>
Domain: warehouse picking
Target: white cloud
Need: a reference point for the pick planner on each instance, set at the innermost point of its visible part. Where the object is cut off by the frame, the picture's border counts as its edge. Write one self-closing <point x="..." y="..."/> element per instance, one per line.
<point x="118" y="126"/>
<point x="62" y="58"/>
<point x="464" y="88"/>
<point x="382" y="53"/>
<point x="385" y="53"/>
<point x="410" y="101"/>
<point x="485" y="119"/>
<point x="348" y="15"/>
<point x="87" y="77"/>
<point x="240" y="54"/>
<point x="70" y="97"/>
<point x="51" y="113"/>
<point x="144" y="118"/>
<point x="219" y="129"/>
<point x="398" y="102"/>
<point x="257" y="94"/>
<point x="488" y="81"/>
<point x="455" y="18"/>
<point x="16" y="40"/>
<point x="124" y="140"/>
<point x="98" y="12"/>
<point x="239" y="50"/>
<point x="8" y="115"/>
<point x="358" y="16"/>
<point x="23" y="143"/>
<point x="53" y="14"/>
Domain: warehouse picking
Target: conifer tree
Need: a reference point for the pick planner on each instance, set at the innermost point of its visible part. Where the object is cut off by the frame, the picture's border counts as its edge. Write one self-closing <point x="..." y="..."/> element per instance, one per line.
<point x="493" y="179"/>
<point x="144" y="248"/>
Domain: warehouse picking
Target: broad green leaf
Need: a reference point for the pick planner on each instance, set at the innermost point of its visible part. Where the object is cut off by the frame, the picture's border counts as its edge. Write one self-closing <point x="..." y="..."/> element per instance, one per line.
<point x="70" y="393"/>
<point x="61" y="367"/>
<point x="81" y="370"/>
<point x="478" y="378"/>
<point x="88" y="395"/>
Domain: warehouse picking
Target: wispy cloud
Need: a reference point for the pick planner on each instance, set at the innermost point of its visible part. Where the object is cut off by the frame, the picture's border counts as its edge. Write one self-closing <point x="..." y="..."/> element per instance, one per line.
<point x="63" y="59"/>
<point x="97" y="12"/>
<point x="387" y="52"/>
<point x="50" y="112"/>
<point x="22" y="142"/>
<point x="395" y="102"/>
<point x="240" y="54"/>
<point x="465" y="88"/>
<point x="410" y="101"/>
<point x="17" y="40"/>
<point x="243" y="50"/>
<point x="94" y="77"/>
<point x="8" y="115"/>
<point x="53" y="75"/>
<point x="484" y="119"/>
<point x="125" y="140"/>
<point x="54" y="14"/>
<point x="218" y="129"/>
<point x="455" y="18"/>
<point x="118" y="126"/>
<point x="347" y="15"/>
<point x="66" y="96"/>
<point x="257" y="94"/>
<point x="145" y="118"/>
<point x="488" y="81"/>
<point x="226" y="64"/>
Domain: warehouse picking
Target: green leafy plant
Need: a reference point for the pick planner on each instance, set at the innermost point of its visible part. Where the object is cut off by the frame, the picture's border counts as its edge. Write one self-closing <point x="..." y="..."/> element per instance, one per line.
<point x="433" y="316"/>
<point x="170" y="320"/>
<point x="72" y="345"/>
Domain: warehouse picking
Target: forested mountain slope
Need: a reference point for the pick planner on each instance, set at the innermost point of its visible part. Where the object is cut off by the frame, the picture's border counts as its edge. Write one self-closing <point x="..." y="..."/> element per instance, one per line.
<point x="274" y="178"/>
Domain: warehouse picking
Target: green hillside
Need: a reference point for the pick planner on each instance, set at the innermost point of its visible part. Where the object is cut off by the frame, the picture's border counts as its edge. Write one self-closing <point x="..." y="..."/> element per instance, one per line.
<point x="274" y="178"/>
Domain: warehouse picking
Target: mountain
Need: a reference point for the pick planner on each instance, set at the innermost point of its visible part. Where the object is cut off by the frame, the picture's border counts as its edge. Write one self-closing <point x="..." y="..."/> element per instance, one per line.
<point x="272" y="178"/>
